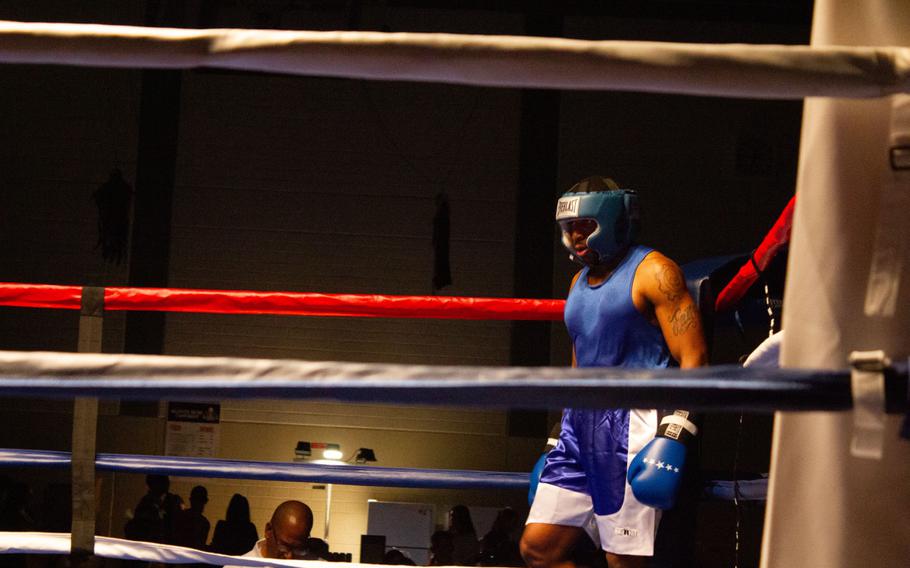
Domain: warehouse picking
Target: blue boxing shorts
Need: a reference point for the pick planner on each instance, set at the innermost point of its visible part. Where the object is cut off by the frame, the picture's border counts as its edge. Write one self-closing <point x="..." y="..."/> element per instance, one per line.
<point x="583" y="483"/>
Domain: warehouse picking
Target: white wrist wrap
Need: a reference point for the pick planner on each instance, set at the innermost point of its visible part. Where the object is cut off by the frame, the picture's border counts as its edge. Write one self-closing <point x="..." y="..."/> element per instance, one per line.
<point x="681" y="422"/>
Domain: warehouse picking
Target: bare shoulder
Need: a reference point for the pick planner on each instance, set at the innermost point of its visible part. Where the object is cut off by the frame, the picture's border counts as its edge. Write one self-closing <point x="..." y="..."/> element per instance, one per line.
<point x="662" y="277"/>
<point x="574" y="280"/>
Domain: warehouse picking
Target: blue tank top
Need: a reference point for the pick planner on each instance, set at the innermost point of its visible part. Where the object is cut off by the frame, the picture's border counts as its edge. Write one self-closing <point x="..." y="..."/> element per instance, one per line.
<point x="606" y="328"/>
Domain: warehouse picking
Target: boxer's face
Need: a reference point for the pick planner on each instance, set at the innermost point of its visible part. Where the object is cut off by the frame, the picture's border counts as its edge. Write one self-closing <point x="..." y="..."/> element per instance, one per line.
<point x="579" y="231"/>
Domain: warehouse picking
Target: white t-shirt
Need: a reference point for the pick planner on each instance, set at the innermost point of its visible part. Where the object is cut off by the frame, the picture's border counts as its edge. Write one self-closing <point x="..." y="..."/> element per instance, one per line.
<point x="255" y="553"/>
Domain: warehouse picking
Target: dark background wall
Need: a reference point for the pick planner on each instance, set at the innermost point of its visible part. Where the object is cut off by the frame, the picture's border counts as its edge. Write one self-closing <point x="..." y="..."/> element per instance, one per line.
<point x="263" y="182"/>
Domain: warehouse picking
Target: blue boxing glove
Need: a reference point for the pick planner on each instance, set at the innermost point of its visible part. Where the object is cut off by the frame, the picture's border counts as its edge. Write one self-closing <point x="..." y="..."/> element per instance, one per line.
<point x="655" y="473"/>
<point x="534" y="478"/>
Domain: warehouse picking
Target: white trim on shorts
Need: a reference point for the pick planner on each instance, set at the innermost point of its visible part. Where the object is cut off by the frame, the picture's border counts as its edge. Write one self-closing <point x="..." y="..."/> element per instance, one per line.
<point x="557" y="506"/>
<point x="631" y="530"/>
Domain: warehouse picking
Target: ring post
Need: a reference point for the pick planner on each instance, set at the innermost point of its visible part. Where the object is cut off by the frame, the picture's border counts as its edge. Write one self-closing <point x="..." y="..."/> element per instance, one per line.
<point x="85" y="423"/>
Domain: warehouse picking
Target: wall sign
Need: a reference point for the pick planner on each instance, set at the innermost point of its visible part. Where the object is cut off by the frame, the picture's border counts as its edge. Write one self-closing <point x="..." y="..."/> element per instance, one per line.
<point x="193" y="429"/>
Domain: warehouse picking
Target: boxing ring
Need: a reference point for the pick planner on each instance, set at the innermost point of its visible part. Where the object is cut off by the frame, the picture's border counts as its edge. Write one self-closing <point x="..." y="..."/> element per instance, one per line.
<point x="87" y="377"/>
<point x="90" y="376"/>
<point x="839" y="414"/>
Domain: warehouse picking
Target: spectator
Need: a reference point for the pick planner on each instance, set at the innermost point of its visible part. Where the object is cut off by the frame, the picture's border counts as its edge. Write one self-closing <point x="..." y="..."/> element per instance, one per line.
<point x="499" y="547"/>
<point x="191" y="528"/>
<point x="151" y="519"/>
<point x="173" y="508"/>
<point x="464" y="537"/>
<point x="15" y="515"/>
<point x="286" y="533"/>
<point x="441" y="549"/>
<point x="235" y="535"/>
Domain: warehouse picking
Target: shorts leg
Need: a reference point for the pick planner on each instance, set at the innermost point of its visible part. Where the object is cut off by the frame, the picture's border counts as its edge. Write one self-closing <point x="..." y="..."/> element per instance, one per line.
<point x="557" y="506"/>
<point x="564" y="467"/>
<point x="562" y="496"/>
<point x="632" y="529"/>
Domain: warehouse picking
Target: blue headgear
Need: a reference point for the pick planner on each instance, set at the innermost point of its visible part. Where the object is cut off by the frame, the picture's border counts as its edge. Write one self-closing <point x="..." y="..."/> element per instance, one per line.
<point x="616" y="213"/>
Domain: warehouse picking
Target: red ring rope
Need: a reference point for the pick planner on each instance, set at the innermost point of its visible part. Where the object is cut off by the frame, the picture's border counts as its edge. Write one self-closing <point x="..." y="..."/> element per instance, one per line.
<point x="285" y="303"/>
<point x="777" y="238"/>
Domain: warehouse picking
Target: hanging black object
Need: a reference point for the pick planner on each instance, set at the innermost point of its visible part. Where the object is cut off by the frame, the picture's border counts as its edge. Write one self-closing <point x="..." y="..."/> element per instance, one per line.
<point x="113" y="201"/>
<point x="442" y="274"/>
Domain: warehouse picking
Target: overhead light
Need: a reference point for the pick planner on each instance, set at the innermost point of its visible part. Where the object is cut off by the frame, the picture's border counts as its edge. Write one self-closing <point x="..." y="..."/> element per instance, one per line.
<point x="329" y="453"/>
<point x="364" y="455"/>
<point x="332" y="452"/>
<point x="329" y="462"/>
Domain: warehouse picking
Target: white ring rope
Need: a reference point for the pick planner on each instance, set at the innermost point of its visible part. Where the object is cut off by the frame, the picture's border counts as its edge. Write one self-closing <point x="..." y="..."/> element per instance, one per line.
<point x="728" y="70"/>
<point x="108" y="547"/>
<point x="34" y="373"/>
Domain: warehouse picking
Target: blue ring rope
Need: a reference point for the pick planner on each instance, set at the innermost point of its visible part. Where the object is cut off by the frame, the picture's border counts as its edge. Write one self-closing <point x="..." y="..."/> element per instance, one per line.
<point x="318" y="473"/>
<point x="276" y="471"/>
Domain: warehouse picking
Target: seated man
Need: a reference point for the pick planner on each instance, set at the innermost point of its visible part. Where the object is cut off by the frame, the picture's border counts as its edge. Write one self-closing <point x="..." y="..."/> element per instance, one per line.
<point x="286" y="533"/>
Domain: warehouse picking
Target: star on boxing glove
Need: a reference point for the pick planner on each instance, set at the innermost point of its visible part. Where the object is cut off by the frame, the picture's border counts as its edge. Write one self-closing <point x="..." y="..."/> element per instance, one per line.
<point x="655" y="473"/>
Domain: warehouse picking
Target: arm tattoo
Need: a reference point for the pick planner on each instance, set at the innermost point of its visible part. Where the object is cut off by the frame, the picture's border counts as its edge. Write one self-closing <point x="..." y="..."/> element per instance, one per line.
<point x="670" y="282"/>
<point x="684" y="319"/>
